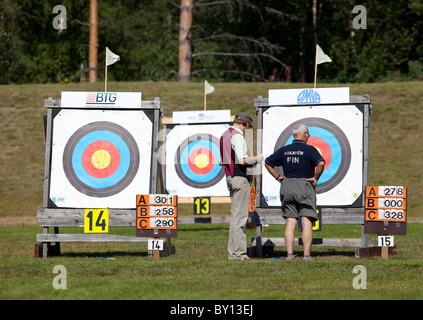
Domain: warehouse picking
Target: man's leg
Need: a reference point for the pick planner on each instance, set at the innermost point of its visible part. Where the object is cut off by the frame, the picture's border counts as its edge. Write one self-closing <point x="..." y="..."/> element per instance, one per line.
<point x="291" y="224"/>
<point x="237" y="242"/>
<point x="307" y="235"/>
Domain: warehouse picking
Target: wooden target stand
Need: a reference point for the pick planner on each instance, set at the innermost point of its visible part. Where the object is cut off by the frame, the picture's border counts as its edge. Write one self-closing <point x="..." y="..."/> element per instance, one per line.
<point x="330" y="215"/>
<point x="55" y="218"/>
<point x="167" y="123"/>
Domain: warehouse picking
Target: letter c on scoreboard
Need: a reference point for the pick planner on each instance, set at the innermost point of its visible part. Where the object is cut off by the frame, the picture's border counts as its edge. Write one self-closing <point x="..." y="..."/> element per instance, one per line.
<point x="371" y="215"/>
<point x="142" y="223"/>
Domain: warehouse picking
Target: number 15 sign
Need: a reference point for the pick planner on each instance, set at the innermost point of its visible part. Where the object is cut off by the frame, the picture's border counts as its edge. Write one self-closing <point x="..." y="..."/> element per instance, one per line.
<point x="157" y="215"/>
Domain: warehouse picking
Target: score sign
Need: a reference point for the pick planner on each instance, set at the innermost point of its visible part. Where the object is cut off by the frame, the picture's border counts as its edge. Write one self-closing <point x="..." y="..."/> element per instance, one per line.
<point x="252" y="202"/>
<point x="156" y="215"/>
<point x="386" y="210"/>
<point x="386" y="204"/>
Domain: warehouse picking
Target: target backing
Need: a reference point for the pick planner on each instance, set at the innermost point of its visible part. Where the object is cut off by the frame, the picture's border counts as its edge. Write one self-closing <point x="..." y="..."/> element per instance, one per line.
<point x="336" y="132"/>
<point x="192" y="155"/>
<point x="100" y="158"/>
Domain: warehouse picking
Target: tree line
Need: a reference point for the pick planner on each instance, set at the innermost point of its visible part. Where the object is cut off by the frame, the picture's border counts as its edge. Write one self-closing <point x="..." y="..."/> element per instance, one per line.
<point x="227" y="40"/>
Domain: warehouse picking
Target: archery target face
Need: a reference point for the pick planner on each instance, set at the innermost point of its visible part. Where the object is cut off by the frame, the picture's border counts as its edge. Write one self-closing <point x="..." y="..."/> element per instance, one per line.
<point x="336" y="132"/>
<point x="100" y="159"/>
<point x="192" y="161"/>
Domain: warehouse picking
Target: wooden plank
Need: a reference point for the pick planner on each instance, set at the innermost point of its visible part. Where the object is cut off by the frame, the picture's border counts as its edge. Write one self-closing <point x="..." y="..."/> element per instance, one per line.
<point x="47" y="160"/>
<point x="188" y="200"/>
<point x="327" y="242"/>
<point x="189" y="220"/>
<point x="369" y="252"/>
<point x="48" y="217"/>
<point x="329" y="216"/>
<point x="87" y="238"/>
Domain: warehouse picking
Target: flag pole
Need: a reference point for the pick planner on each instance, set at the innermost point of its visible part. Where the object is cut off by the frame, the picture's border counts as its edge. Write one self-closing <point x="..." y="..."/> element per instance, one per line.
<point x="315" y="69"/>
<point x="105" y="81"/>
<point x="205" y="95"/>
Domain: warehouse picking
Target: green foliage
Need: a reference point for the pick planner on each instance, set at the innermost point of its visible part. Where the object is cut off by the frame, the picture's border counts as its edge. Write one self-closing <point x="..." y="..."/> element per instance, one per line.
<point x="239" y="40"/>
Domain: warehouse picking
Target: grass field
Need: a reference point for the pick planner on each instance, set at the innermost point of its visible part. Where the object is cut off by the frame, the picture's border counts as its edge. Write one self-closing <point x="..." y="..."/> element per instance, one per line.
<point x="200" y="269"/>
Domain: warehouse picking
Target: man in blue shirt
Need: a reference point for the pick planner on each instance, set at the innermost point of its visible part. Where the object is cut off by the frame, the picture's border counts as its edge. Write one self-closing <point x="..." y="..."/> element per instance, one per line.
<point x="302" y="167"/>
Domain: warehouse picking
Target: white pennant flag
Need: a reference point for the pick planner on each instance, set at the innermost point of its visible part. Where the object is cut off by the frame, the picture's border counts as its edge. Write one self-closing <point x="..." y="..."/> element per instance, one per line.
<point x="111" y="57"/>
<point x="321" y="56"/>
<point x="208" y="87"/>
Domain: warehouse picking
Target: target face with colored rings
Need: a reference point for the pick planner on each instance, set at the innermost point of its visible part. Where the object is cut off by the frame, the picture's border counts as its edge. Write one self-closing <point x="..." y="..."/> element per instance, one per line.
<point x="332" y="144"/>
<point x="196" y="161"/>
<point x="101" y="159"/>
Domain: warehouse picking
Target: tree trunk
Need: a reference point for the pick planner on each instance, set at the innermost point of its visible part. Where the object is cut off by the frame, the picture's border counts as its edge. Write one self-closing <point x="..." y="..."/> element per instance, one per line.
<point x="314" y="10"/>
<point x="93" y="55"/>
<point x="185" y="51"/>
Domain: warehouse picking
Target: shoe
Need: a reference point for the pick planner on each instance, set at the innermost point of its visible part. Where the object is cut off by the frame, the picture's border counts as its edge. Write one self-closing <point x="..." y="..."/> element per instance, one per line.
<point x="240" y="258"/>
<point x="290" y="259"/>
<point x="308" y="259"/>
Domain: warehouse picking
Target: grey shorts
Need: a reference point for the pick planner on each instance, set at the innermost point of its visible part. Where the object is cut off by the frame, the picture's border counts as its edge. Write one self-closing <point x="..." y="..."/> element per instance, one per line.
<point x="298" y="199"/>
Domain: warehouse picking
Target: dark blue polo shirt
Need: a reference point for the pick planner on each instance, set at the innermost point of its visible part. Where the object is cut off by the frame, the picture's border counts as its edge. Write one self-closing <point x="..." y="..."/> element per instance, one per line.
<point x="297" y="159"/>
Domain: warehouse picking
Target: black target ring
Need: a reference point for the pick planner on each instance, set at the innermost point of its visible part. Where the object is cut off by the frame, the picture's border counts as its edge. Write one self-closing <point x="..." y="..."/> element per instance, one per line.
<point x="129" y="157"/>
<point x="201" y="177"/>
<point x="342" y="140"/>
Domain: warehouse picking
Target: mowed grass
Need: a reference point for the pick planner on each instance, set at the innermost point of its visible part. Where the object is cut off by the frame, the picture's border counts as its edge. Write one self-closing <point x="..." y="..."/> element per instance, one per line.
<point x="200" y="270"/>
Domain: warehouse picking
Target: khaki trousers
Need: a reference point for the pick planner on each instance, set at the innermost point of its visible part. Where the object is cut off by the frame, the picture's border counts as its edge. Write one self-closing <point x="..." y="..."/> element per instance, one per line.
<point x="239" y="189"/>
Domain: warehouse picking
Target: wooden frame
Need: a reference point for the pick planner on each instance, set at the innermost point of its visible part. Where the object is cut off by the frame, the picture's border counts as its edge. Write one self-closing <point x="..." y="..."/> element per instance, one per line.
<point x="330" y="215"/>
<point x="72" y="217"/>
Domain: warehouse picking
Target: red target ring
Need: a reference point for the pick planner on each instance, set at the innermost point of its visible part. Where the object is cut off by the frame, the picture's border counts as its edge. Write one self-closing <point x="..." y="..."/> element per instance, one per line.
<point x="201" y="160"/>
<point x="101" y="159"/>
<point x="323" y="147"/>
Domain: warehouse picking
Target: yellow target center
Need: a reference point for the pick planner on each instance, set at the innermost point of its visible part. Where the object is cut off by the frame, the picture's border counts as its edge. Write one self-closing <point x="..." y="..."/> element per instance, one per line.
<point x="201" y="161"/>
<point x="101" y="159"/>
<point x="319" y="151"/>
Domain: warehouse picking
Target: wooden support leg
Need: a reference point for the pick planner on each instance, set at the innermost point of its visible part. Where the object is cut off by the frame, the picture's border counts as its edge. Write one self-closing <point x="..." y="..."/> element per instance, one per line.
<point x="259" y="249"/>
<point x="45" y="244"/>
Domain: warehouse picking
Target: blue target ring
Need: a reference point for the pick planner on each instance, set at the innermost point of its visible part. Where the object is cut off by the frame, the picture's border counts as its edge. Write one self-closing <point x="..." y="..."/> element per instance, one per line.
<point x="188" y="172"/>
<point x="92" y="134"/>
<point x="78" y="165"/>
<point x="336" y="141"/>
<point x="336" y="151"/>
<point x="201" y="178"/>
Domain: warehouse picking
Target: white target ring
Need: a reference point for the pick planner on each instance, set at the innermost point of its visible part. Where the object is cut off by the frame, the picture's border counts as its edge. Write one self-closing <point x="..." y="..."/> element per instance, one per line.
<point x="342" y="184"/>
<point x="192" y="155"/>
<point x="100" y="159"/>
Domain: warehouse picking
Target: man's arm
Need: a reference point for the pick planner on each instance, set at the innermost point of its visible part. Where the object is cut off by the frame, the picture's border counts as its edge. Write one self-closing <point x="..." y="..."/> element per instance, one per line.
<point x="274" y="173"/>
<point x="252" y="160"/>
<point x="319" y="170"/>
<point x="240" y="147"/>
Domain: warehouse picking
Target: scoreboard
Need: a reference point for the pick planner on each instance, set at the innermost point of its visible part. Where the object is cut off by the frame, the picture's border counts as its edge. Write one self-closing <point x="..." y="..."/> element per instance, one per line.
<point x="386" y="210"/>
<point x="156" y="215"/>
